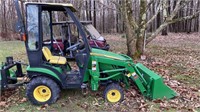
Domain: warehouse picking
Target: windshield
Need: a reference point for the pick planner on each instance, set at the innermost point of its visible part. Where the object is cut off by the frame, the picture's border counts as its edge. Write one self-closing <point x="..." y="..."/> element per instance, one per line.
<point x="64" y="29"/>
<point x="93" y="32"/>
<point x="46" y="25"/>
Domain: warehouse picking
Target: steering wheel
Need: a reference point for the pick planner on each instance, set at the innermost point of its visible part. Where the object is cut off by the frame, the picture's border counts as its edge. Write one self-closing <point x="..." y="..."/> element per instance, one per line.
<point x="78" y="45"/>
<point x="73" y="47"/>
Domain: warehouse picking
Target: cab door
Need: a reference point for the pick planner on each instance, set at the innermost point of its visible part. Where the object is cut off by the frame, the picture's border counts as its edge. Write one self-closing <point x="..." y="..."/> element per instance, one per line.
<point x="33" y="42"/>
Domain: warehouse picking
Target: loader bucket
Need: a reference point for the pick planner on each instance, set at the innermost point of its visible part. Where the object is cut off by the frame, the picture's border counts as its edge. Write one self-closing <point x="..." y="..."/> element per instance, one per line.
<point x="154" y="84"/>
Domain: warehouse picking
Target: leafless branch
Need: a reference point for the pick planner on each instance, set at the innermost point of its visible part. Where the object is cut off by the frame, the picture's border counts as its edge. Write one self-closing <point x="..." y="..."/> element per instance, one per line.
<point x="154" y="16"/>
<point x="184" y="18"/>
<point x="168" y="22"/>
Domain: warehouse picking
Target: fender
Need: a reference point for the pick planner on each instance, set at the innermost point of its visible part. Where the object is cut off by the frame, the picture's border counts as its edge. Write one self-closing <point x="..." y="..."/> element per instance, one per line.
<point x="47" y="72"/>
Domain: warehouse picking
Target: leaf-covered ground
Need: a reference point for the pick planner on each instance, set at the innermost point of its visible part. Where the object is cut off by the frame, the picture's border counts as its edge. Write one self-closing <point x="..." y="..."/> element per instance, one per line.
<point x="176" y="57"/>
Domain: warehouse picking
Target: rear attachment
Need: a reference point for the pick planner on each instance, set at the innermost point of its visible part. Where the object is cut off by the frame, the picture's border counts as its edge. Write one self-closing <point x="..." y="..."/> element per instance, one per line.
<point x="10" y="78"/>
<point x="152" y="82"/>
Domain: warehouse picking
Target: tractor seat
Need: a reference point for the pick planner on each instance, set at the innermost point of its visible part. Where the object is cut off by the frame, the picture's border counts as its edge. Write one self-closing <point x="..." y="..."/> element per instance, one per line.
<point x="53" y="59"/>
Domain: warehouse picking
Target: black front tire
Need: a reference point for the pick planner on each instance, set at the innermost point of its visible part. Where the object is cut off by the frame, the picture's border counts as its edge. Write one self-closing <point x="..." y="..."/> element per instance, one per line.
<point x="42" y="90"/>
<point x="114" y="93"/>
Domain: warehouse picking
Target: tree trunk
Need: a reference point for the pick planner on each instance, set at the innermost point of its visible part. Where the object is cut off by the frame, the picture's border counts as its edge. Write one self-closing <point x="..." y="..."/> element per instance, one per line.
<point x="131" y="43"/>
<point x="87" y="10"/>
<point x="103" y="21"/>
<point x="164" y="32"/>
<point x="4" y="32"/>
<point x="129" y="28"/>
<point x="141" y="30"/>
<point x="90" y="10"/>
<point x="164" y="16"/>
<point x="94" y="14"/>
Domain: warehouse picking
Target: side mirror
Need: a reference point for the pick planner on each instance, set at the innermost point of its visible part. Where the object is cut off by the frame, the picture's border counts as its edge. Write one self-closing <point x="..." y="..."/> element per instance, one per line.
<point x="18" y="27"/>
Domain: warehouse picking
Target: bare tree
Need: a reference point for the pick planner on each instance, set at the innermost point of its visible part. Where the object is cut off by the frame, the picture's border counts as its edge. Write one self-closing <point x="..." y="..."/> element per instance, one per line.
<point x="141" y="20"/>
<point x="136" y="29"/>
<point x="4" y="29"/>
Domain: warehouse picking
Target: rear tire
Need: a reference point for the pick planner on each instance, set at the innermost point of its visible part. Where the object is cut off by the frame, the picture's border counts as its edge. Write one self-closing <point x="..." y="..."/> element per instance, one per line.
<point x="114" y="93"/>
<point x="42" y="90"/>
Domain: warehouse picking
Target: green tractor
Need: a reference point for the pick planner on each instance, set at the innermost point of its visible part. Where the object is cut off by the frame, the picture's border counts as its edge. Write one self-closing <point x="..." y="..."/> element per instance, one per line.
<point x="48" y="73"/>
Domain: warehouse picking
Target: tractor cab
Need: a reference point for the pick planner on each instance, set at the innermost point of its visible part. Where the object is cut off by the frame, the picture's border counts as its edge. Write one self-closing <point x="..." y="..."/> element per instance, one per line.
<point x="49" y="46"/>
<point x="42" y="31"/>
<point x="59" y="33"/>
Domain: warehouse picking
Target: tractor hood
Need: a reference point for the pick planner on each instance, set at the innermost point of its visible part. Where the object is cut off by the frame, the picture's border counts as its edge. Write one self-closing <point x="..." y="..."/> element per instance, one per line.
<point x="111" y="55"/>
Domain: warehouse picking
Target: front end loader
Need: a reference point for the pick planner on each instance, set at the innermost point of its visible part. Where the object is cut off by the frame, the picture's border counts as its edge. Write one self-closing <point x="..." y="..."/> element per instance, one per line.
<point x="48" y="73"/>
<point x="107" y="67"/>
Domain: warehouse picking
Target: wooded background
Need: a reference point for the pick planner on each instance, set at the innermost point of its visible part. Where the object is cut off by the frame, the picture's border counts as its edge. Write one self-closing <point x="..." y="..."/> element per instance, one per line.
<point x="106" y="16"/>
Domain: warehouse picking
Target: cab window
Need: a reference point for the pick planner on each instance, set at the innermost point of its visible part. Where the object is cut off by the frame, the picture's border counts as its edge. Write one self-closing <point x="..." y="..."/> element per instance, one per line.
<point x="32" y="27"/>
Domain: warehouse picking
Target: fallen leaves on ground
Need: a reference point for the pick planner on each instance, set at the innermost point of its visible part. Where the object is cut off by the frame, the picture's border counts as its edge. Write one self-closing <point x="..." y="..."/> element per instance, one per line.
<point x="11" y="97"/>
<point x="175" y="57"/>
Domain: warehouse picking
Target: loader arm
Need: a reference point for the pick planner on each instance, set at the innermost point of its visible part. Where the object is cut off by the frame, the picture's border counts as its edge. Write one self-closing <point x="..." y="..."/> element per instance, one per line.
<point x="118" y="66"/>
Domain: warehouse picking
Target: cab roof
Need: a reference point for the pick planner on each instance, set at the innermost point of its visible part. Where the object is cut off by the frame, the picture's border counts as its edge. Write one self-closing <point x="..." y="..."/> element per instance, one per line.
<point x="53" y="6"/>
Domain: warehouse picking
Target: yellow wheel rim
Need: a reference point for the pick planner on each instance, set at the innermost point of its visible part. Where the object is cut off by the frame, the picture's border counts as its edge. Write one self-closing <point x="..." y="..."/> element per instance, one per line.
<point x="42" y="93"/>
<point x="113" y="96"/>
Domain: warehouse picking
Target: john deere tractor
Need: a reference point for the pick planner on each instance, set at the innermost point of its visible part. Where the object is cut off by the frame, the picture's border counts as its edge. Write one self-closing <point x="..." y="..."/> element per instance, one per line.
<point x="48" y="72"/>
